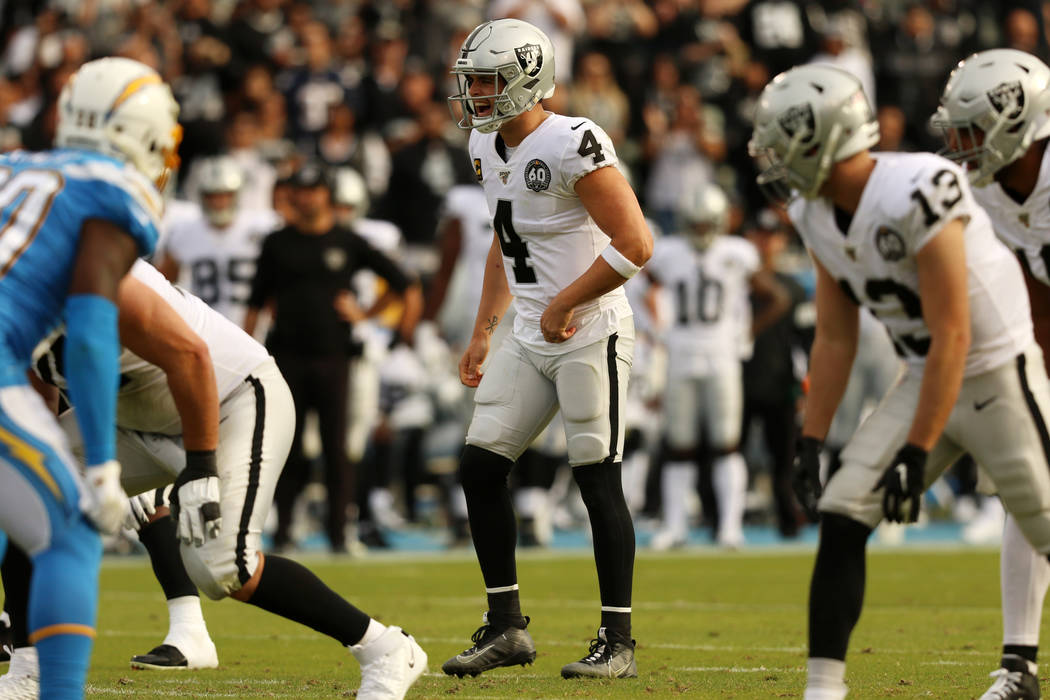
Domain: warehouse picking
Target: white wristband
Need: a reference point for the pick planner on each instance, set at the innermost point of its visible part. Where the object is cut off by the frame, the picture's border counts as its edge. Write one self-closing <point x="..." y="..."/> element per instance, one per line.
<point x="618" y="262"/>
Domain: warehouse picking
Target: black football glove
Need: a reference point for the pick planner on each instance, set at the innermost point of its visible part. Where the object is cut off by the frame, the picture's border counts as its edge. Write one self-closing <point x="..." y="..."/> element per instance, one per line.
<point x="903" y="481"/>
<point x="805" y="475"/>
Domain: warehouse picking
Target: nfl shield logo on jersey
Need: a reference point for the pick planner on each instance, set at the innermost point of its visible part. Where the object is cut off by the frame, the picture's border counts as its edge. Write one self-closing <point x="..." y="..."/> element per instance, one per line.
<point x="537" y="175"/>
<point x="530" y="58"/>
<point x="889" y="244"/>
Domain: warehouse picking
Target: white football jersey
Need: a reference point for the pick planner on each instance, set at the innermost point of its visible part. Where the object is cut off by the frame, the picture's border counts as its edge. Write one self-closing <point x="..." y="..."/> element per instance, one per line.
<point x="218" y="265"/>
<point x="908" y="199"/>
<point x="144" y="401"/>
<point x="547" y="237"/>
<point x="466" y="204"/>
<point x="707" y="290"/>
<point x="1023" y="227"/>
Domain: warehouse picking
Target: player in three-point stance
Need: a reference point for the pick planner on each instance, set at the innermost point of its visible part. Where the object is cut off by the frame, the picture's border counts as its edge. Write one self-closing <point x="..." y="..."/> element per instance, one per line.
<point x="902" y="235"/>
<point x="75" y="220"/>
<point x="995" y="116"/>
<point x="568" y="234"/>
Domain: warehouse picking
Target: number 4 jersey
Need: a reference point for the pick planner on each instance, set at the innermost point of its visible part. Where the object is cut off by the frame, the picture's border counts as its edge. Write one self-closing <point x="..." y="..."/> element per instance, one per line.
<point x="908" y="200"/>
<point x="546" y="235"/>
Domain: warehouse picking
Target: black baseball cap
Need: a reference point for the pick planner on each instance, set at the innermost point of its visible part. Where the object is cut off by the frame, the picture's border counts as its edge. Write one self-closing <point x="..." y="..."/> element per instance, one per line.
<point x="311" y="174"/>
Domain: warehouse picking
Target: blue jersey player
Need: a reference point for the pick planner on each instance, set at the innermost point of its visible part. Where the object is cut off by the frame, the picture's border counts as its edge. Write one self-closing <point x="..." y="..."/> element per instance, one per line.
<point x="72" y="221"/>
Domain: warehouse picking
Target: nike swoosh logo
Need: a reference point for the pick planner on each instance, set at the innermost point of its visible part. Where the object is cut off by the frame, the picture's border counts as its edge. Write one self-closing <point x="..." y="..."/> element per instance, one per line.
<point x="476" y="654"/>
<point x="574" y="128"/>
<point x="978" y="405"/>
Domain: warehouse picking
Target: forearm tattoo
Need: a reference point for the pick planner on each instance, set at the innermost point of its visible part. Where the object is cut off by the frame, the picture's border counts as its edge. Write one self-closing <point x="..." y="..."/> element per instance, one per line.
<point x="490" y="328"/>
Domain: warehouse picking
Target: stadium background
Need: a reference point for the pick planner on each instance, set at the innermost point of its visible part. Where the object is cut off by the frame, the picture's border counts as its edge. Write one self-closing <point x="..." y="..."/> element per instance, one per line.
<point x="363" y="84"/>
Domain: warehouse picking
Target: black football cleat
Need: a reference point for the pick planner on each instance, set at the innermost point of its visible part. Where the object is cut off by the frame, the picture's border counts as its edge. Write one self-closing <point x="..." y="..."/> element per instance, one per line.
<point x="605" y="659"/>
<point x="1016" y="679"/>
<point x="493" y="647"/>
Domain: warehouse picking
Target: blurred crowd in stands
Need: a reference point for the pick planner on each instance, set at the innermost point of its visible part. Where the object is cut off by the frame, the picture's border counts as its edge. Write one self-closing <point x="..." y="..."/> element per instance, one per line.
<point x="362" y="84"/>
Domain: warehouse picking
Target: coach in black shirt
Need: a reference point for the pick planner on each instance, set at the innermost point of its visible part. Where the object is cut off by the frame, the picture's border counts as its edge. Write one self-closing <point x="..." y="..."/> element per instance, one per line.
<point x="304" y="276"/>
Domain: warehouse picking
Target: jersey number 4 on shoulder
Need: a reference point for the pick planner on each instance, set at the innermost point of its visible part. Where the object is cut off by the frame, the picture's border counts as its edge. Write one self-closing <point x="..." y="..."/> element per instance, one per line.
<point x="511" y="245"/>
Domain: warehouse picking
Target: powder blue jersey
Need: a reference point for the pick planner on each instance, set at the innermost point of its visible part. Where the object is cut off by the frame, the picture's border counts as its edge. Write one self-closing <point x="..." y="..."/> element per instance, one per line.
<point x="45" y="198"/>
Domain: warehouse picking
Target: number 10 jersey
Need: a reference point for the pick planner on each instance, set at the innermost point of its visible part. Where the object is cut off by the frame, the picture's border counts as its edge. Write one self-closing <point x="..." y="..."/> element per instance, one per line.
<point x="545" y="234"/>
<point x="909" y="198"/>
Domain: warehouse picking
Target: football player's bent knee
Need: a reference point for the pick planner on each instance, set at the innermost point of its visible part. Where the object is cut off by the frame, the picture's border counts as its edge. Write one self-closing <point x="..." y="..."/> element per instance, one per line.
<point x="479" y="466"/>
<point x="1036" y="529"/>
<point x="213" y="570"/>
<point x="587" y="448"/>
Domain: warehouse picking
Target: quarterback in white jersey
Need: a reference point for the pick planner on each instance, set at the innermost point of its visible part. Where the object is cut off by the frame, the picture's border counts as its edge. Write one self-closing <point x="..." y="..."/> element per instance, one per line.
<point x="902" y="235"/>
<point x="568" y="234"/>
<point x="215" y="244"/>
<point x="995" y="116"/>
<point x="709" y="276"/>
<point x="203" y="405"/>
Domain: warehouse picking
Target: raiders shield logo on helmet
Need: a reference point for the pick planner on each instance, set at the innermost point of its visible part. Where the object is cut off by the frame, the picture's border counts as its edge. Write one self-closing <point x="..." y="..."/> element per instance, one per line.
<point x="1008" y="99"/>
<point x="798" y="120"/>
<point x="530" y="58"/>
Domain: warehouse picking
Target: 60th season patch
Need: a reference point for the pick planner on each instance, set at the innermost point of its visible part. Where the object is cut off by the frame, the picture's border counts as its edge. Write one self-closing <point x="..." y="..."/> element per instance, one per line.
<point x="890" y="245"/>
<point x="537" y="175"/>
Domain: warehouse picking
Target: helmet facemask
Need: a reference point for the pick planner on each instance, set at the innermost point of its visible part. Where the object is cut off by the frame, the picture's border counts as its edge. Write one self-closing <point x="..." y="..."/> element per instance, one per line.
<point x="973" y="143"/>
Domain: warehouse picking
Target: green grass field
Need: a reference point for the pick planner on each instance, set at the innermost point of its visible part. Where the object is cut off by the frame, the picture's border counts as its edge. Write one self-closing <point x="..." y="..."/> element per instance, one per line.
<point x="709" y="625"/>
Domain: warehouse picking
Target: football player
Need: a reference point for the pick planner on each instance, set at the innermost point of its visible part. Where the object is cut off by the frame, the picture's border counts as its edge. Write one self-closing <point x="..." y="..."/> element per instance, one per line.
<point x="224" y="466"/>
<point x="218" y="241"/>
<point x="902" y="235"/>
<point x="75" y="220"/>
<point x="568" y="234"/>
<point x="995" y="115"/>
<point x="709" y="276"/>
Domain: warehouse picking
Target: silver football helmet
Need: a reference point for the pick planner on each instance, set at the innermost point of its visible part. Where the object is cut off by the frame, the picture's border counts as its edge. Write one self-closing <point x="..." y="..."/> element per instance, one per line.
<point x="807" y="119"/>
<point x="349" y="190"/>
<point x="121" y="108"/>
<point x="220" y="175"/>
<point x="996" y="103"/>
<point x="703" y="214"/>
<point x="519" y="60"/>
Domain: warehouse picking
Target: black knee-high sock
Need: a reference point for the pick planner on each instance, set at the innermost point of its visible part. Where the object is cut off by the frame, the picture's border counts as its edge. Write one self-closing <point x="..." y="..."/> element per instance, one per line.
<point x="17" y="570"/>
<point x="836" y="593"/>
<point x="158" y="537"/>
<point x="290" y="590"/>
<point x="493" y="528"/>
<point x="601" y="487"/>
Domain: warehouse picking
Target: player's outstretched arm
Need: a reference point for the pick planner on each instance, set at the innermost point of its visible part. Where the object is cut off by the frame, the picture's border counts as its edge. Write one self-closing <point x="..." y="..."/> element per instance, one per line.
<point x="104" y="255"/>
<point x="943" y="281"/>
<point x="495" y="298"/>
<point x="611" y="202"/>
<point x="831" y="356"/>
<point x="154" y="331"/>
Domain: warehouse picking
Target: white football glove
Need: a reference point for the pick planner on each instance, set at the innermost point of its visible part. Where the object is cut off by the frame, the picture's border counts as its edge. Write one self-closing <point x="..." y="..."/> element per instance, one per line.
<point x="196" y="506"/>
<point x="107" y="504"/>
<point x="144" y="507"/>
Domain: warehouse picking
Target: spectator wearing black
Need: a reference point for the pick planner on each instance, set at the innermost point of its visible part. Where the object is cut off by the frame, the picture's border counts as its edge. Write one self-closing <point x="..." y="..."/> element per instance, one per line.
<point x="771" y="385"/>
<point x="304" y="272"/>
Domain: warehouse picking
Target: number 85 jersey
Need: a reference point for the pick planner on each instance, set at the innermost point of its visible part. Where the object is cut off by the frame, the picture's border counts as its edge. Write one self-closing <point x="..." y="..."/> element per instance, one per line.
<point x="545" y="234"/>
<point x="909" y="198"/>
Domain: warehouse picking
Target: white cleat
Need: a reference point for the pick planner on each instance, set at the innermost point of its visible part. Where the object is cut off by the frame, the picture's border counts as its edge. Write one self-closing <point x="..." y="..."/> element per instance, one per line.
<point x="667" y="539"/>
<point x="390" y="664"/>
<point x="180" y="651"/>
<point x="22" y="680"/>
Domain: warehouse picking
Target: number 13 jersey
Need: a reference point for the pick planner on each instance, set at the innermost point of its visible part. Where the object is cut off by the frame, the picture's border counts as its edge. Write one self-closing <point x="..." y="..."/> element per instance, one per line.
<point x="908" y="199"/>
<point x="545" y="234"/>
